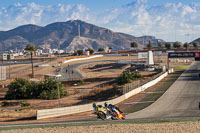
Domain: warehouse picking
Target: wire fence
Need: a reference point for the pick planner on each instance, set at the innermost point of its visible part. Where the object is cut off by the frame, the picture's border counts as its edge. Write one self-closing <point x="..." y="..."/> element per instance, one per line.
<point x="2" y="73"/>
<point x="131" y="86"/>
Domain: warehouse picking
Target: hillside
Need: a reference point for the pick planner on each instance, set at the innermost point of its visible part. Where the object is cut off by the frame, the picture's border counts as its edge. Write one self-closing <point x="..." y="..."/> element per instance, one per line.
<point x="65" y="35"/>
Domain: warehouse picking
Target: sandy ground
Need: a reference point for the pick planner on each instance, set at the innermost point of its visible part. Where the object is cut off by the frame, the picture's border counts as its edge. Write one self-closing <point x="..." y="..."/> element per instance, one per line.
<point x="175" y="127"/>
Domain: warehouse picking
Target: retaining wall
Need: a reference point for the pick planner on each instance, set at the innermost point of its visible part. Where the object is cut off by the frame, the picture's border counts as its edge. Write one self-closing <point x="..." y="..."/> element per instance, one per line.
<point x="47" y="113"/>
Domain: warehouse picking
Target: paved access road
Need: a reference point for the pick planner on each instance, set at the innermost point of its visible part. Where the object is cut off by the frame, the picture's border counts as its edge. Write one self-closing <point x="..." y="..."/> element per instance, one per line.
<point x="180" y="100"/>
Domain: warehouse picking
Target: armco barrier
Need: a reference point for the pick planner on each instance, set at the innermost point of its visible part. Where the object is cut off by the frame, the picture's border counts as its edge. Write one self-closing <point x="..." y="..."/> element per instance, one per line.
<point x="47" y="113"/>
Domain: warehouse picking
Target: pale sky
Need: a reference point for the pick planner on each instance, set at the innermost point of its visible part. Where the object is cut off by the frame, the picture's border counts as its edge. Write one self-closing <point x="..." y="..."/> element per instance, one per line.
<point x="171" y="20"/>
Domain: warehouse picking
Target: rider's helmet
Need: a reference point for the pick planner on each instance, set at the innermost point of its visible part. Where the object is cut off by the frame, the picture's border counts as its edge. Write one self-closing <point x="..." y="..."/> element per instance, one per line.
<point x="105" y="104"/>
<point x="94" y="105"/>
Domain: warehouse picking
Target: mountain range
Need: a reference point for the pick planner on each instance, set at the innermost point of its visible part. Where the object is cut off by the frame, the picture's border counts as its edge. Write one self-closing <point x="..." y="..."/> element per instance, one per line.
<point x="70" y="36"/>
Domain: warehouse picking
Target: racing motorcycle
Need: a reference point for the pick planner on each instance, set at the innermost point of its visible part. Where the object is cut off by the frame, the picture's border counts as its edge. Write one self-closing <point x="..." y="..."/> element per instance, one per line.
<point x="119" y="115"/>
<point x="104" y="113"/>
<point x="116" y="113"/>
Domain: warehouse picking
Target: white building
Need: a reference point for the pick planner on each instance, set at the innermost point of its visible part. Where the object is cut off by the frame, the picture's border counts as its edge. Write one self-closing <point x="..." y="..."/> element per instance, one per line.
<point x="6" y="56"/>
<point x="107" y="50"/>
<point x="87" y="52"/>
<point x="46" y="51"/>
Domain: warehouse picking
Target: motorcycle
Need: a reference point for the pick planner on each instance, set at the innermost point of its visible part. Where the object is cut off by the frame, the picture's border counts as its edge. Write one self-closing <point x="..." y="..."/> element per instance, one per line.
<point x="104" y="113"/>
<point x="117" y="114"/>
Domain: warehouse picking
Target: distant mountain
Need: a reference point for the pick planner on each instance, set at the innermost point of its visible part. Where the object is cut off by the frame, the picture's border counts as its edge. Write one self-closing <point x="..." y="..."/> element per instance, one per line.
<point x="65" y="35"/>
<point x="196" y="40"/>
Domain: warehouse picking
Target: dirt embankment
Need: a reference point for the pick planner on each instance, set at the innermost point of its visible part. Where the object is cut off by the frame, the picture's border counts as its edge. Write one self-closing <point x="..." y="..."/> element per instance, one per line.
<point x="175" y="127"/>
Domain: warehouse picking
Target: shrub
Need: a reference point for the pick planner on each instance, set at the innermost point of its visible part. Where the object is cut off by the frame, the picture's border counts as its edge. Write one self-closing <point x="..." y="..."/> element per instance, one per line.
<point x="1" y="104"/>
<point x="18" y="89"/>
<point x="24" y="89"/>
<point x="50" y="89"/>
<point x="137" y="75"/>
<point x="127" y="76"/>
<point x="82" y="81"/>
<point x="25" y="104"/>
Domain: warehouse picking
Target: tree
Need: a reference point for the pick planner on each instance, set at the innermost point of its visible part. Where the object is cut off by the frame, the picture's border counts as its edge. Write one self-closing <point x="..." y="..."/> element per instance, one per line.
<point x="31" y="49"/>
<point x="186" y="45"/>
<point x="90" y="50"/>
<point x="195" y="45"/>
<point x="160" y="45"/>
<point x="134" y="45"/>
<point x="177" y="44"/>
<point x="80" y="52"/>
<point x="149" y="46"/>
<point x="100" y="49"/>
<point x="168" y="45"/>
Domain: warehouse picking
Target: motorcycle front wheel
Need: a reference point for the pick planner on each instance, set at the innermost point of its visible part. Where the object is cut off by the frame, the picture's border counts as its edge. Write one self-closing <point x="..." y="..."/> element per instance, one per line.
<point x="102" y="115"/>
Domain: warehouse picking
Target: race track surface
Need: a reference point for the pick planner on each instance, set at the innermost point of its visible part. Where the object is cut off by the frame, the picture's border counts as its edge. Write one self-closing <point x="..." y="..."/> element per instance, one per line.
<point x="180" y="100"/>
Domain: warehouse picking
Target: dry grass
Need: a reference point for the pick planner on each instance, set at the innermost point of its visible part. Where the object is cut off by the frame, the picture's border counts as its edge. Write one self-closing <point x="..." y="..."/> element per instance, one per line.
<point x="14" y="114"/>
<point x="95" y="91"/>
<point x="168" y="127"/>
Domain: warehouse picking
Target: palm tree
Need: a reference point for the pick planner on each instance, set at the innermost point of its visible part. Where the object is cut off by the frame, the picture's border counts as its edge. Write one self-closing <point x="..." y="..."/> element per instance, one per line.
<point x="167" y="45"/>
<point x="186" y="45"/>
<point x="31" y="49"/>
<point x="195" y="45"/>
<point x="134" y="45"/>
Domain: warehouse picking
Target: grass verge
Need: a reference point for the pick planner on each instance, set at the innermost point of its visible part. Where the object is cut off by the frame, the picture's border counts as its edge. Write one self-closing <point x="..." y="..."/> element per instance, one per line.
<point x="162" y="87"/>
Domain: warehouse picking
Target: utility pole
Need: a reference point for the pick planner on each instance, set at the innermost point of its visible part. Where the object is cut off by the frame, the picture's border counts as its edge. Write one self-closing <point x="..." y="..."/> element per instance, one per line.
<point x="8" y="59"/>
<point x="57" y="78"/>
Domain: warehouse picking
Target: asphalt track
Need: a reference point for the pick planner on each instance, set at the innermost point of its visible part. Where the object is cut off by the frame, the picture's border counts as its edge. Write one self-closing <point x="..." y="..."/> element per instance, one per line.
<point x="72" y="71"/>
<point x="180" y="100"/>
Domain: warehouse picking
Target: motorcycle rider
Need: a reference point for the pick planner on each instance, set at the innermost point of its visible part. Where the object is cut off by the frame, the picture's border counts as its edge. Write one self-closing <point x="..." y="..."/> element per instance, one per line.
<point x="101" y="108"/>
<point x="97" y="107"/>
<point x="112" y="107"/>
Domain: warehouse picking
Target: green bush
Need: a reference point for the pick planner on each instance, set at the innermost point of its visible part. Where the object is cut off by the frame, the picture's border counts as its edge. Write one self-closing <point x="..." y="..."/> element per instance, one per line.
<point x="25" y="104"/>
<point x="1" y="104"/>
<point x="82" y="81"/>
<point x="24" y="89"/>
<point x="137" y="75"/>
<point x="50" y="89"/>
<point x="18" y="89"/>
<point x="127" y="76"/>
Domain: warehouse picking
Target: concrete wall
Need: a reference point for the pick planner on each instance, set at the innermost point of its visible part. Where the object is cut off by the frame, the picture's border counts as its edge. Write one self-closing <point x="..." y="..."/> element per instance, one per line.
<point x="86" y="58"/>
<point x="47" y="113"/>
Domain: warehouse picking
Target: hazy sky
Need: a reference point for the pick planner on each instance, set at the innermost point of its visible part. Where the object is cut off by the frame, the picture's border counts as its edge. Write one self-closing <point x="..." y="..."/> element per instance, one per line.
<point x="171" y="20"/>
